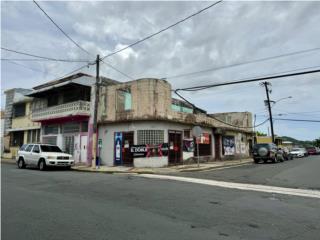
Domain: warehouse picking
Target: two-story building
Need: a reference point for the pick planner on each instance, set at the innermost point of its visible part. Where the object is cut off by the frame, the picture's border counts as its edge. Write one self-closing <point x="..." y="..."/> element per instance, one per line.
<point x="62" y="107"/>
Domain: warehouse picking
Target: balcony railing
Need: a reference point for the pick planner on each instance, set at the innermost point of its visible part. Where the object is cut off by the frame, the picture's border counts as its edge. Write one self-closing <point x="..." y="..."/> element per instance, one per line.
<point x="63" y="110"/>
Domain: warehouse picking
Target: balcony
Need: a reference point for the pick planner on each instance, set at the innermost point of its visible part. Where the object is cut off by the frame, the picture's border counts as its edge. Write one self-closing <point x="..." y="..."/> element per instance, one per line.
<point x="78" y="108"/>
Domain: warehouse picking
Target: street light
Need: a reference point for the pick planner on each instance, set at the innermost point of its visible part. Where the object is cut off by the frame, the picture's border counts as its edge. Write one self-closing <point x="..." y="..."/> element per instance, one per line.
<point x="274" y="102"/>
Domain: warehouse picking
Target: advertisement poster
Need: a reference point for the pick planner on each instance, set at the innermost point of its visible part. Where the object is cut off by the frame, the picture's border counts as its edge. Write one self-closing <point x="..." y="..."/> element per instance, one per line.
<point x="188" y="145"/>
<point x="204" y="139"/>
<point x="117" y="148"/>
<point x="149" y="150"/>
<point x="228" y="145"/>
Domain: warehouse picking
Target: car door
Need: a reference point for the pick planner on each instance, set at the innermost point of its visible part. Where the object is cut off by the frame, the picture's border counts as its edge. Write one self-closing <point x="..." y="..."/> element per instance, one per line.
<point x="35" y="155"/>
<point x="27" y="154"/>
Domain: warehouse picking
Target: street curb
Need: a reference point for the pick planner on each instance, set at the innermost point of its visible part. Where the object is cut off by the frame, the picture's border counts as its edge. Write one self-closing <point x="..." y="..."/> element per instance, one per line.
<point x="159" y="171"/>
<point x="7" y="161"/>
<point x="112" y="172"/>
<point x="215" y="167"/>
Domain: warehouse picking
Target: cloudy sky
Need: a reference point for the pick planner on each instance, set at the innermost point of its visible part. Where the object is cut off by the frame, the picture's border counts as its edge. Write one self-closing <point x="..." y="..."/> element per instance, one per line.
<point x="226" y="34"/>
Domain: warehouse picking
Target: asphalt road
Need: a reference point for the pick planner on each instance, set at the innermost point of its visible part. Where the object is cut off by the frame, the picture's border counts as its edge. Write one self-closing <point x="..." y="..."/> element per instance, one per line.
<point x="297" y="173"/>
<point x="74" y="205"/>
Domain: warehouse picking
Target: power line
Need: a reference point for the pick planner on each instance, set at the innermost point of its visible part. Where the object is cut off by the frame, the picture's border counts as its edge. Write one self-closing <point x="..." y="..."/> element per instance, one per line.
<point x="217" y="119"/>
<point x="27" y="67"/>
<point x="296" y="120"/>
<point x="64" y="33"/>
<point x="37" y="56"/>
<point x="242" y="63"/>
<point x="119" y="71"/>
<point x="162" y="30"/>
<point x="197" y="88"/>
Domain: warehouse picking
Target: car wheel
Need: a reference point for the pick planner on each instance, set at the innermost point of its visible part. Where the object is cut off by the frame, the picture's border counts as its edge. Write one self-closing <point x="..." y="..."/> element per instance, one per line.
<point x="256" y="161"/>
<point x="42" y="165"/>
<point x="281" y="159"/>
<point x="21" y="163"/>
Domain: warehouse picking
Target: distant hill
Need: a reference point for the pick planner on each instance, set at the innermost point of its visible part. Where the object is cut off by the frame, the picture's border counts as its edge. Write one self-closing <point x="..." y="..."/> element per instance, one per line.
<point x="297" y="142"/>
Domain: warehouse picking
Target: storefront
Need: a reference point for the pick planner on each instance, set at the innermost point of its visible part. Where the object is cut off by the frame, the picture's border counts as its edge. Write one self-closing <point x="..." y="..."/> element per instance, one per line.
<point x="150" y="144"/>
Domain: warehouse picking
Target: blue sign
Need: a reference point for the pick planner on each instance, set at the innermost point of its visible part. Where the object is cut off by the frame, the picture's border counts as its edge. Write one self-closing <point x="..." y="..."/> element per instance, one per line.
<point x="118" y="148"/>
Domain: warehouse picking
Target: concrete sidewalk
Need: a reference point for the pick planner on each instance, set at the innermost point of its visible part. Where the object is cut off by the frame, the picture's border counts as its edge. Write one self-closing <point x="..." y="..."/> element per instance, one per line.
<point x="165" y="170"/>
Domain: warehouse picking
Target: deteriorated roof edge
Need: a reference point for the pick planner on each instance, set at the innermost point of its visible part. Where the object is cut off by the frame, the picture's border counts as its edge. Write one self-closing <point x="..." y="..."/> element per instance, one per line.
<point x="177" y="121"/>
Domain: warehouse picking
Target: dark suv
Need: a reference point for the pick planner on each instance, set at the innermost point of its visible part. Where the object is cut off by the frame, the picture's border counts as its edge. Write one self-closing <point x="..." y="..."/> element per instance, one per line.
<point x="267" y="151"/>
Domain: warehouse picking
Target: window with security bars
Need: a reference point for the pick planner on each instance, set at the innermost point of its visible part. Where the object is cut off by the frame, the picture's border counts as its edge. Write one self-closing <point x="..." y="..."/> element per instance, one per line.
<point x="150" y="137"/>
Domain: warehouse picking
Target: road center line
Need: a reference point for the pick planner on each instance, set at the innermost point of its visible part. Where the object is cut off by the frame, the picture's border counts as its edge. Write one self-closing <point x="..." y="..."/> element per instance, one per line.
<point x="241" y="186"/>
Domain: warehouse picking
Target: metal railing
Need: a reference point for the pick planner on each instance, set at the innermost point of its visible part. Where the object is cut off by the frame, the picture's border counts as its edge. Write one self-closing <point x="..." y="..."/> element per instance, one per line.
<point x="72" y="108"/>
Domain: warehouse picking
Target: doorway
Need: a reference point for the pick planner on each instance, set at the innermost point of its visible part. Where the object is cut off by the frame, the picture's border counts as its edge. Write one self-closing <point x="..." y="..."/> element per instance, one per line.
<point x="83" y="149"/>
<point x="175" y="147"/>
<point x="217" y="146"/>
<point x="127" y="158"/>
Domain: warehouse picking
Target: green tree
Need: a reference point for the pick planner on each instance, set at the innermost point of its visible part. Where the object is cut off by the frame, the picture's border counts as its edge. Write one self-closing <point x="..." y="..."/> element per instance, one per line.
<point x="316" y="142"/>
<point x="261" y="133"/>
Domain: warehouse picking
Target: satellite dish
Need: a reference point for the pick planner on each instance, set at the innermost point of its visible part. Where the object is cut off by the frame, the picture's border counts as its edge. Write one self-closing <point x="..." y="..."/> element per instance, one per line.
<point x="196" y="131"/>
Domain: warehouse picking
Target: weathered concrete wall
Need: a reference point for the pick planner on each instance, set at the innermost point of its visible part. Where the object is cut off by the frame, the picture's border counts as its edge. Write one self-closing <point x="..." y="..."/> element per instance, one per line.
<point x="24" y="122"/>
<point x="151" y="99"/>
<point x="243" y="119"/>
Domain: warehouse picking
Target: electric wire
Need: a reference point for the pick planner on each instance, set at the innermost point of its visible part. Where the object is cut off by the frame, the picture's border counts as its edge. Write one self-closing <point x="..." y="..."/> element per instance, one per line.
<point x="162" y="30"/>
<point x="198" y="88"/>
<point x="40" y="57"/>
<point x="63" y="32"/>
<point x="242" y="63"/>
<point x="78" y="45"/>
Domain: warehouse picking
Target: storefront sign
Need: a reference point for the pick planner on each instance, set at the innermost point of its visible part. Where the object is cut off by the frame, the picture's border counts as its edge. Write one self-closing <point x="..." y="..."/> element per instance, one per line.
<point x="117" y="148"/>
<point x="228" y="145"/>
<point x="149" y="150"/>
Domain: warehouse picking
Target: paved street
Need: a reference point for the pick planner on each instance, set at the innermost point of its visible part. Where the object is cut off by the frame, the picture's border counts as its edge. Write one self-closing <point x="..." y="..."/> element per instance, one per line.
<point x="298" y="173"/>
<point x="74" y="205"/>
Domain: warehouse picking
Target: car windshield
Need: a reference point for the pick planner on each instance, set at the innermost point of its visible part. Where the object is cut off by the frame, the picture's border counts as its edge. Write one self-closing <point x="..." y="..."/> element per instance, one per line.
<point x="296" y="149"/>
<point x="48" y="148"/>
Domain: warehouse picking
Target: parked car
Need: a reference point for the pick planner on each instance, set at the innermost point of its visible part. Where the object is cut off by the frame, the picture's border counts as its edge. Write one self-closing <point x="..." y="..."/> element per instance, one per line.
<point x="43" y="156"/>
<point x="297" y="152"/>
<point x="267" y="151"/>
<point x="312" y="150"/>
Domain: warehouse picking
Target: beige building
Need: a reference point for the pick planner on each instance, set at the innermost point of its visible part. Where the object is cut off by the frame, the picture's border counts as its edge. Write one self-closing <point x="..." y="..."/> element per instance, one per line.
<point x="141" y="114"/>
<point x="18" y="127"/>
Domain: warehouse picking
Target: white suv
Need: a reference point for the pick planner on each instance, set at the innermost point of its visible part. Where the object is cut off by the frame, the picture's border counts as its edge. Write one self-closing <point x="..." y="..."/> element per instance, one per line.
<point x="43" y="156"/>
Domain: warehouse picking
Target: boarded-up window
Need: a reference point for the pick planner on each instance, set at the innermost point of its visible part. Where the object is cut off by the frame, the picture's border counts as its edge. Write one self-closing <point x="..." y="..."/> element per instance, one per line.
<point x="204" y="147"/>
<point x="124" y="100"/>
<point x="150" y="137"/>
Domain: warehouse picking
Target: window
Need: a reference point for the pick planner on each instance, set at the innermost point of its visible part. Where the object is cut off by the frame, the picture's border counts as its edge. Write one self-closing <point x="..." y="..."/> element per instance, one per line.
<point x="186" y="134"/>
<point x="150" y="137"/>
<point x="38" y="135"/>
<point x="84" y="126"/>
<point x="53" y="100"/>
<point x="50" y="140"/>
<point x="19" y="110"/>
<point x="17" y="138"/>
<point x="36" y="149"/>
<point x="48" y="148"/>
<point x="23" y="147"/>
<point x="28" y="149"/>
<point x="124" y="100"/>
<point x="70" y="127"/>
<point x="51" y="129"/>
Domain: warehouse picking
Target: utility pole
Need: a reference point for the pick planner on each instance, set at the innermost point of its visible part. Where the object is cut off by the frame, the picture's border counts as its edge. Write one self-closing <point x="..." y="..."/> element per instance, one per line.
<point x="266" y="84"/>
<point x="95" y="113"/>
